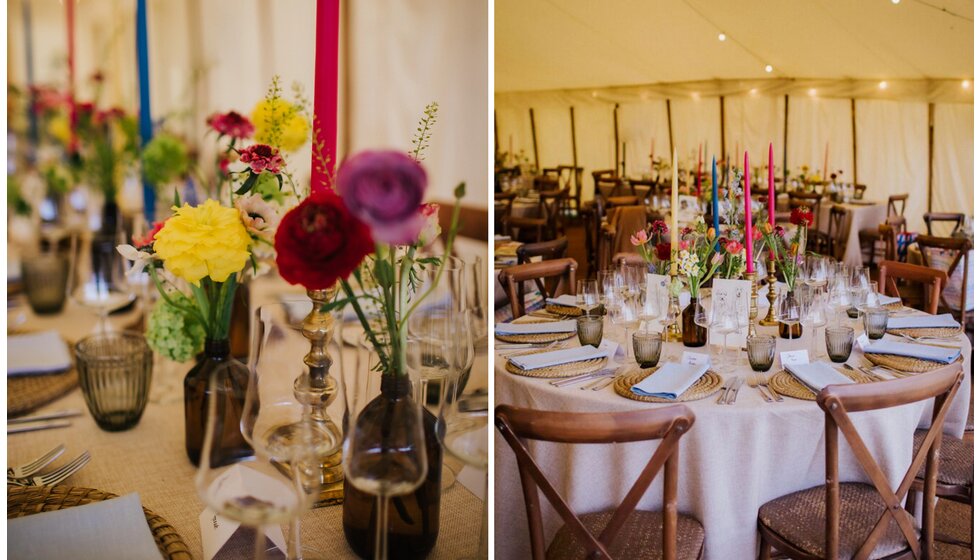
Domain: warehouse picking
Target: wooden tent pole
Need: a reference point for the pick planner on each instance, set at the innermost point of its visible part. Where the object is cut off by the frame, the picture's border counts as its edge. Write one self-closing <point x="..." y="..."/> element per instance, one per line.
<point x="670" y="128"/>
<point x="616" y="139"/>
<point x="575" y="173"/>
<point x="721" y="101"/>
<point x="496" y="135"/>
<point x="932" y="114"/>
<point x="534" y="141"/>
<point x="854" y="139"/>
<point x="785" y="141"/>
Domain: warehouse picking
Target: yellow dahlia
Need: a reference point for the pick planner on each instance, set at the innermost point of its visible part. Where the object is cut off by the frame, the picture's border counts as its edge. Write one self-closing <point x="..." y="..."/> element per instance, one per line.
<point x="204" y="241"/>
<point x="280" y="124"/>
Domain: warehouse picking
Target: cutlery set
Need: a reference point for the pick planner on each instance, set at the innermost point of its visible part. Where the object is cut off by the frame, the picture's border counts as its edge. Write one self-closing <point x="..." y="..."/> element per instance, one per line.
<point x="24" y="475"/>
<point x="41" y="422"/>
<point x="761" y="382"/>
<point x="729" y="391"/>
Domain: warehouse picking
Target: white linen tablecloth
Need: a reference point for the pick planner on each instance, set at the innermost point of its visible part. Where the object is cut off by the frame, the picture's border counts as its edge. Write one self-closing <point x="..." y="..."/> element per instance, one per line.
<point x="734" y="459"/>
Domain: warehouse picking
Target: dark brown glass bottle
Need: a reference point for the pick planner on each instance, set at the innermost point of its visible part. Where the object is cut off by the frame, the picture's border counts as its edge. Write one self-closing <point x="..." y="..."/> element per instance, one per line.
<point x="692" y="334"/>
<point x="232" y="376"/>
<point x="413" y="519"/>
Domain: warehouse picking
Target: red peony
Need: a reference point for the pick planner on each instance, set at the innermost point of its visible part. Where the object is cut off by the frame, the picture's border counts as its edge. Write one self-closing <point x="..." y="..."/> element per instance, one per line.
<point x="320" y="242"/>
<point x="801" y="215"/>
<point x="659" y="227"/>
<point x="686" y="230"/>
<point x="779" y="231"/>
<point x="262" y="157"/>
<point x="231" y="124"/>
<point x="663" y="251"/>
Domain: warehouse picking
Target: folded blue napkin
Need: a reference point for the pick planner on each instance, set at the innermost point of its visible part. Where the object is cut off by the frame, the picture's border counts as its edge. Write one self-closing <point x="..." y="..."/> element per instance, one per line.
<point x="923" y="322"/>
<point x="888" y="300"/>
<point x="567" y="300"/>
<point x="921" y="351"/>
<point x="565" y="356"/>
<point x="37" y="353"/>
<point x="544" y="327"/>
<point x="670" y="381"/>
<point x="817" y="375"/>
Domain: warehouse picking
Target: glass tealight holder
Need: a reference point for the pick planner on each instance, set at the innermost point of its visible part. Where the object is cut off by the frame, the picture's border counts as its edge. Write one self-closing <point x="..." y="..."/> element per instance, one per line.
<point x="646" y="348"/>
<point x="875" y="322"/>
<point x="589" y="329"/>
<point x="762" y="351"/>
<point x="840" y="341"/>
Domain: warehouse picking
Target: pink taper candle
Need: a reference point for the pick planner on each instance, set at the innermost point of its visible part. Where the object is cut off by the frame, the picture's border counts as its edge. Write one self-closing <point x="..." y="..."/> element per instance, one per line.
<point x="325" y="91"/>
<point x="772" y="191"/>
<point x="749" y="265"/>
<point x="826" y="159"/>
<point x="697" y="178"/>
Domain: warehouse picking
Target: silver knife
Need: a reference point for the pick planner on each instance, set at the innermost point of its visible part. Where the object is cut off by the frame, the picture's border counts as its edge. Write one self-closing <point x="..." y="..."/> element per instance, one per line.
<point x="724" y="391"/>
<point x="42" y="425"/>
<point x="70" y="413"/>
<point x="583" y="377"/>
<point x="735" y="389"/>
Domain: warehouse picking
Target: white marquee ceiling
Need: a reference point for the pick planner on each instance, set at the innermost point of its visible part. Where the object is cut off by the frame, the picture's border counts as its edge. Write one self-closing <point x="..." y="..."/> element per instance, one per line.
<point x="567" y="44"/>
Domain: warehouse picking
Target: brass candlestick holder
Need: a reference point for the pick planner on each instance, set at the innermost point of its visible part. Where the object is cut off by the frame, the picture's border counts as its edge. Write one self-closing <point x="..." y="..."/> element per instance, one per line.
<point x="770" y="319"/>
<point x="753" y="302"/>
<point x="315" y="389"/>
<point x="673" y="333"/>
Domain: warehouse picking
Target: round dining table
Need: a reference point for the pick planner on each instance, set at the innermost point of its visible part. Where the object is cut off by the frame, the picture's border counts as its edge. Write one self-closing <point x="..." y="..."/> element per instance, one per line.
<point x="735" y="458"/>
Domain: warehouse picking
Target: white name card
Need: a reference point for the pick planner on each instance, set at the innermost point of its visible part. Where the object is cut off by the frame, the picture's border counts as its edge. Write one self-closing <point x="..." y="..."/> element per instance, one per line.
<point x="695" y="359"/>
<point x="794" y="357"/>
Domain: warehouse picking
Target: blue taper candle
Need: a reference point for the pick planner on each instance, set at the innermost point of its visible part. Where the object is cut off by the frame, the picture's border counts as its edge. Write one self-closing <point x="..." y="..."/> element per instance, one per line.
<point x="714" y="194"/>
<point x="146" y="120"/>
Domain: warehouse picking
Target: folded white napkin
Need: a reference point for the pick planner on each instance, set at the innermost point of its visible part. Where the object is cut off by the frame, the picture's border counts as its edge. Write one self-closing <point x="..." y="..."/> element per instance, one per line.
<point x="111" y="529"/>
<point x="535" y="328"/>
<point x="564" y="299"/>
<point x="921" y="351"/>
<point x="817" y="375"/>
<point x="670" y="381"/>
<point x="565" y="356"/>
<point x="888" y="300"/>
<point x="37" y="353"/>
<point x="923" y="322"/>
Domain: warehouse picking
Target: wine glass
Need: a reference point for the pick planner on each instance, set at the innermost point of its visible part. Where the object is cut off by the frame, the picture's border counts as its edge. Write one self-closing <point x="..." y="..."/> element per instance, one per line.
<point x="868" y="298"/>
<point x="724" y="320"/>
<point x="788" y="312"/>
<point x="476" y="299"/>
<point x="587" y="295"/>
<point x="385" y="449"/>
<point x="608" y="283"/>
<point x="99" y="281"/>
<point x="839" y="296"/>
<point x="653" y="306"/>
<point x="625" y="312"/>
<point x="817" y="271"/>
<point x="812" y="315"/>
<point x="702" y="308"/>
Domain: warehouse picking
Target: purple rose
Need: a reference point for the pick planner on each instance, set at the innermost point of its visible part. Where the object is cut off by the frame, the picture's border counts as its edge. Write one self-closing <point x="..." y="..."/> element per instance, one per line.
<point x="385" y="190"/>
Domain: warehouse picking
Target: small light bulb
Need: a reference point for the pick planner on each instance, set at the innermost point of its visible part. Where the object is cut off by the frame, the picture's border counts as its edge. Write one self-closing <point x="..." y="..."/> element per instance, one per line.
<point x="882" y="85"/>
<point x="696" y="95"/>
<point x="722" y="37"/>
<point x="754" y="91"/>
<point x="896" y="1"/>
<point x="769" y="68"/>
<point x="966" y="84"/>
<point x="812" y="92"/>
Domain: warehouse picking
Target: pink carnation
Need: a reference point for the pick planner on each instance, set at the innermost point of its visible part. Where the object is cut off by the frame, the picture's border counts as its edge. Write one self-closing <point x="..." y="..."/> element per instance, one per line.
<point x="262" y="157"/>
<point x="231" y="124"/>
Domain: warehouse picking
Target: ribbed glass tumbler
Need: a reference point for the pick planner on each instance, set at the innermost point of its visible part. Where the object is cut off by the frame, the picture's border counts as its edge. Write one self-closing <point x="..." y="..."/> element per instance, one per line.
<point x="114" y="371"/>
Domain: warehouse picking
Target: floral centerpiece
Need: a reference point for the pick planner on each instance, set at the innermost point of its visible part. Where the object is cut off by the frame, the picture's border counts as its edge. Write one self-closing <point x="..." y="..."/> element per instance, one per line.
<point x="788" y="252"/>
<point x="650" y="245"/>
<point x="697" y="259"/>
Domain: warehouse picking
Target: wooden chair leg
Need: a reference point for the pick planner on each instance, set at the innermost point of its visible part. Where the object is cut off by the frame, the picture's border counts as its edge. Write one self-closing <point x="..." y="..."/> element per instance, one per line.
<point x="764" y="547"/>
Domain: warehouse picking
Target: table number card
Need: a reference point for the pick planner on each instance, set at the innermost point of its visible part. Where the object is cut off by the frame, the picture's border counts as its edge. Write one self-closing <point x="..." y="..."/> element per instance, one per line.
<point x="730" y="290"/>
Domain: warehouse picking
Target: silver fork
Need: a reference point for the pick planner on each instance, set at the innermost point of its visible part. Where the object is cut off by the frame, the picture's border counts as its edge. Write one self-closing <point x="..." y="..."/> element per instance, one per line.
<point x="755" y="383"/>
<point x="54" y="477"/>
<point x="764" y="381"/>
<point x="28" y="469"/>
<point x="723" y="397"/>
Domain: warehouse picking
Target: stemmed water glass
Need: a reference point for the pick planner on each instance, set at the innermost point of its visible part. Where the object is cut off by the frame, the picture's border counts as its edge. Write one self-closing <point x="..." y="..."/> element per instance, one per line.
<point x="817" y="271"/>
<point x="724" y="320"/>
<point x="625" y="312"/>
<point x="702" y="310"/>
<point x="653" y="306"/>
<point x="99" y="282"/>
<point x="812" y="315"/>
<point x="476" y="299"/>
<point x="839" y="296"/>
<point x="788" y="312"/>
<point x="587" y="296"/>
<point x="609" y="286"/>
<point x="867" y="298"/>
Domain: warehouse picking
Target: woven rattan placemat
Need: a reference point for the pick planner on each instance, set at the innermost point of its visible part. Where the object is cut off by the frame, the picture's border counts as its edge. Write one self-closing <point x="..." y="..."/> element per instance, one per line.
<point x="28" y="501"/>
<point x="905" y="364"/>
<point x="28" y="392"/>
<point x="927" y="333"/>
<point x="785" y="384"/>
<point x="563" y="310"/>
<point x="539" y="338"/>
<point x="559" y="371"/>
<point x="704" y="387"/>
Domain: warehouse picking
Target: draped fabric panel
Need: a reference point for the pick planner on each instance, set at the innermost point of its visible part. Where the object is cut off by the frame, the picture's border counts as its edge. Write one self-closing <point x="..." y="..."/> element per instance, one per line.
<point x="643" y="126"/>
<point x="695" y="121"/>
<point x="553" y="125"/>
<point x="952" y="164"/>
<point x="752" y="122"/>
<point x="596" y="141"/>
<point x="514" y="130"/>
<point x="819" y="127"/>
<point x="893" y="153"/>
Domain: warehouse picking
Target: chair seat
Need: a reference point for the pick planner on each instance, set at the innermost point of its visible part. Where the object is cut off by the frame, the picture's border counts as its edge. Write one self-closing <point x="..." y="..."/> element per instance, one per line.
<point x="800" y="520"/>
<point x="955" y="460"/>
<point x="641" y="537"/>
<point x="628" y="200"/>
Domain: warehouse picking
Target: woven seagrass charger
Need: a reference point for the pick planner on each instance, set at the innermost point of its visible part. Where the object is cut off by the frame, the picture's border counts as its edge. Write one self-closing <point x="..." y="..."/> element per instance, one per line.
<point x="28" y="501"/>
<point x="785" y="384"/>
<point x="705" y="386"/>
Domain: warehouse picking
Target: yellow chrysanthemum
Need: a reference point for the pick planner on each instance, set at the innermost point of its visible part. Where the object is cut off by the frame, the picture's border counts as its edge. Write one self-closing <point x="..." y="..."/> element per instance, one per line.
<point x="278" y="117"/>
<point x="58" y="129"/>
<point x="207" y="240"/>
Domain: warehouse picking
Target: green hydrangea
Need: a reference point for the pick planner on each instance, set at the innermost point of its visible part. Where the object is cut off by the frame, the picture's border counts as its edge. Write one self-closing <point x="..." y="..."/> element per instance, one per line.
<point x="269" y="187"/>
<point x="164" y="159"/>
<point x="174" y="334"/>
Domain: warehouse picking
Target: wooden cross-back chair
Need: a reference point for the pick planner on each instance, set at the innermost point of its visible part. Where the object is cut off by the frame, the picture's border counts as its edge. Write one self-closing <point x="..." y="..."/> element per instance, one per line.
<point x="931" y="281"/>
<point x="896" y="211"/>
<point x="817" y="239"/>
<point x="570" y="178"/>
<point x="549" y="208"/>
<point x="622" y="222"/>
<point x="506" y="202"/>
<point x="594" y="216"/>
<point x="546" y="183"/>
<point x="960" y="247"/>
<point x="626" y="259"/>
<point x="953" y="218"/>
<point x="546" y="250"/>
<point x="619" y="529"/>
<point x="859" y="191"/>
<point x="954" y="478"/>
<point x="556" y="276"/>
<point x="859" y="520"/>
<point x="836" y="232"/>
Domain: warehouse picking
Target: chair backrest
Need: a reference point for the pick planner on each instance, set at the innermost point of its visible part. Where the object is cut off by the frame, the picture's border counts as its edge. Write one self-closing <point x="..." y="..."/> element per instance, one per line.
<point x="668" y="424"/>
<point x="622" y="222"/>
<point x="570" y="177"/>
<point x="623" y="259"/>
<point x="960" y="247"/>
<point x="518" y="227"/>
<point x="546" y="183"/>
<point x="550" y="204"/>
<point x="835" y="231"/>
<point x="837" y="402"/>
<point x="944" y="217"/>
<point x="556" y="276"/>
<point x="547" y="250"/>
<point x="896" y="211"/>
<point x="859" y="190"/>
<point x="933" y="281"/>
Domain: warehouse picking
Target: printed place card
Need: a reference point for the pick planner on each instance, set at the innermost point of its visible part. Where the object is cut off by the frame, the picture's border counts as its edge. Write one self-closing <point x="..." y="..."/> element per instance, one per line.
<point x="863" y="341"/>
<point x="695" y="359"/>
